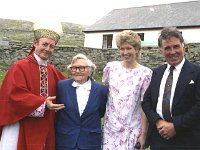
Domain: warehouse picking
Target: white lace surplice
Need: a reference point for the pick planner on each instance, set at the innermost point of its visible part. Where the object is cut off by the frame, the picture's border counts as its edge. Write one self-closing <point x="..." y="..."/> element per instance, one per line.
<point x="9" y="137"/>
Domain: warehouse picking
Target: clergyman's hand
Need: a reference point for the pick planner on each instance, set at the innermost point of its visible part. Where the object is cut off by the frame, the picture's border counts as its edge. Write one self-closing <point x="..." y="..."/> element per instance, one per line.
<point x="52" y="106"/>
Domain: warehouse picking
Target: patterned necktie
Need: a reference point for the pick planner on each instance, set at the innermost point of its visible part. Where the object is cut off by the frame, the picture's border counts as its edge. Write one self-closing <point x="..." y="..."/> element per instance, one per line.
<point x="166" y="96"/>
<point x="39" y="112"/>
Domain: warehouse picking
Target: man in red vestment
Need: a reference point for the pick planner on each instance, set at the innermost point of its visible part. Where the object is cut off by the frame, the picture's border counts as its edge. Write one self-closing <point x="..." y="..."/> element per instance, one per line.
<point x="27" y="95"/>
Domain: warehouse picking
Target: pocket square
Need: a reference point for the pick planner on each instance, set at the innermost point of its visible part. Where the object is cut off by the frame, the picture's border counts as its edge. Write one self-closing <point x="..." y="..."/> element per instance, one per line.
<point x="191" y="82"/>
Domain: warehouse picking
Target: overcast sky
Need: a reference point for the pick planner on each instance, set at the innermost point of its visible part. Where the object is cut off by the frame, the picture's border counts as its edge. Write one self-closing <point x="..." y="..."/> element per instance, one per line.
<point x="85" y="12"/>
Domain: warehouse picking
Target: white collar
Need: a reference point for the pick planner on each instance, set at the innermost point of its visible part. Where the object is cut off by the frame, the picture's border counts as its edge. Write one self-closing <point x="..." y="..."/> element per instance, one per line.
<point x="40" y="61"/>
<point x="179" y="66"/>
<point x="86" y="85"/>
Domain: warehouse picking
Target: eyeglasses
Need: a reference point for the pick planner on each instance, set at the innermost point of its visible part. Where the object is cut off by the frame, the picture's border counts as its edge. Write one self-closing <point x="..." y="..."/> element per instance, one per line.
<point x="80" y="68"/>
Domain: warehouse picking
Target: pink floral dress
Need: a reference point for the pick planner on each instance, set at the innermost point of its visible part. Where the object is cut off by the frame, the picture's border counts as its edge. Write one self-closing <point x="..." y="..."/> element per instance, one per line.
<point x="122" y="120"/>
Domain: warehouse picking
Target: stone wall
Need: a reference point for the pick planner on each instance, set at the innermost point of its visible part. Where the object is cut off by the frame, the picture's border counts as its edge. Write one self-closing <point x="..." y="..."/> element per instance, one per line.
<point x="149" y="57"/>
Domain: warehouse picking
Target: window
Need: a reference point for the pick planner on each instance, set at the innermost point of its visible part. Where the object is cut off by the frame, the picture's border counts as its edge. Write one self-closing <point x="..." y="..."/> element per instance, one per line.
<point x="107" y="41"/>
<point x="141" y="36"/>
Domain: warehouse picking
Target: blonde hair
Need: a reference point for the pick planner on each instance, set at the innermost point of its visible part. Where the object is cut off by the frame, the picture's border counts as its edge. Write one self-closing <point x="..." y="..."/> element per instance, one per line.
<point x="130" y="37"/>
<point x="88" y="61"/>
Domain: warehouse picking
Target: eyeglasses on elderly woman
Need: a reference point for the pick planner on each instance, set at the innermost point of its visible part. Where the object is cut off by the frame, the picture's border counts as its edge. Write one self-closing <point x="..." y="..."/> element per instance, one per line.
<point x="80" y="68"/>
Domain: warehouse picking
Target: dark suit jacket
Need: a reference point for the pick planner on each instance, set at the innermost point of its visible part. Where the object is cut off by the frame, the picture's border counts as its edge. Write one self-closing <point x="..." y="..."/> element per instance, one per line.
<point x="185" y="109"/>
<point x="74" y="130"/>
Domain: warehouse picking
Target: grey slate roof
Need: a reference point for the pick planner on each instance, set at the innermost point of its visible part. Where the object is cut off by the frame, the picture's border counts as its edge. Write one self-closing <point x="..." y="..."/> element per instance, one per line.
<point x="181" y="14"/>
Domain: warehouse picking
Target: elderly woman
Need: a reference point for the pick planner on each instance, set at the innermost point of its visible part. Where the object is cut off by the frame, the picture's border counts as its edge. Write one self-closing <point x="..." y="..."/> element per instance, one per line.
<point x="125" y="123"/>
<point x="78" y="125"/>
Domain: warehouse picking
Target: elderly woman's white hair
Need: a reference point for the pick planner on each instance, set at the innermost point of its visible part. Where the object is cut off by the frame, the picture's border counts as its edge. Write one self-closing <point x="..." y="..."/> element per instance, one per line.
<point x="89" y="63"/>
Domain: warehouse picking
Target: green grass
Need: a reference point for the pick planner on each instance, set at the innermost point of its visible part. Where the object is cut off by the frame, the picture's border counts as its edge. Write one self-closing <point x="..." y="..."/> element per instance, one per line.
<point x="20" y="30"/>
<point x="2" y="74"/>
<point x="98" y="78"/>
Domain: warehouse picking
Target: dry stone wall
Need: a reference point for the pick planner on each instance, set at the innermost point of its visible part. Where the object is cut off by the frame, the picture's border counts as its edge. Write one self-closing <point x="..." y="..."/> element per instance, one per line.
<point x="150" y="56"/>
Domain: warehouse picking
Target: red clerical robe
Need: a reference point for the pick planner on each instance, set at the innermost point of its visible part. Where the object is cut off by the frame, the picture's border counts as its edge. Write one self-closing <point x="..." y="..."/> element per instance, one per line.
<point x="20" y="96"/>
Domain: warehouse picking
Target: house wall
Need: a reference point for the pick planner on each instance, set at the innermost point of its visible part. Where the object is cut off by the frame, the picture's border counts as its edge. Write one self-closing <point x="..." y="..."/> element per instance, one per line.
<point x="150" y="37"/>
<point x="191" y="35"/>
<point x="95" y="40"/>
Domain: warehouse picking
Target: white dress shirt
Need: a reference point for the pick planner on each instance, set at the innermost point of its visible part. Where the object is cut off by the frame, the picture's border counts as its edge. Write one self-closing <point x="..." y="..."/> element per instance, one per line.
<point x="176" y="73"/>
<point x="82" y="93"/>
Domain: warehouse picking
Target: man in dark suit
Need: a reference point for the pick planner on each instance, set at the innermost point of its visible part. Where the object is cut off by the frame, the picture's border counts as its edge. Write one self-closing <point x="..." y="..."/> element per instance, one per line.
<point x="172" y="100"/>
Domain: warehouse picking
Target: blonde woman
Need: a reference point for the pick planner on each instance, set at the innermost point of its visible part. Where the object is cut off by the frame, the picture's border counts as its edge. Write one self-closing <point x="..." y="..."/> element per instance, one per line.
<point x="125" y="123"/>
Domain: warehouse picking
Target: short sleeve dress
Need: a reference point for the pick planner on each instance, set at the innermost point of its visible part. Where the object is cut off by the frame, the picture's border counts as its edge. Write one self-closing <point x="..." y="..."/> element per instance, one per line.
<point x="122" y="120"/>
